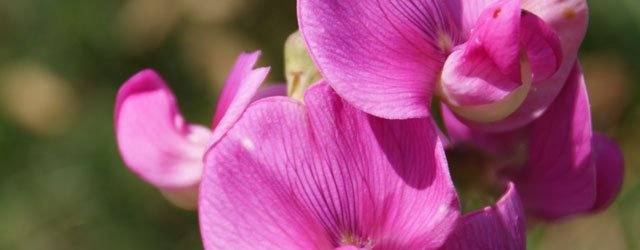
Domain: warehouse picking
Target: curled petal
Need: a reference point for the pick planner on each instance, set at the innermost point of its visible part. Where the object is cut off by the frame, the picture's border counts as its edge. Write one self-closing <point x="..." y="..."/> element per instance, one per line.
<point x="489" y="78"/>
<point x="568" y="18"/>
<point x="324" y="176"/>
<point x="559" y="177"/>
<point x="470" y="12"/>
<point x="539" y="97"/>
<point x="481" y="81"/>
<point x="381" y="56"/>
<point x="239" y="89"/>
<point x="496" y="36"/>
<point x="501" y="226"/>
<point x="569" y="21"/>
<point x="153" y="138"/>
<point x="609" y="171"/>
<point x="543" y="66"/>
<point x="542" y="47"/>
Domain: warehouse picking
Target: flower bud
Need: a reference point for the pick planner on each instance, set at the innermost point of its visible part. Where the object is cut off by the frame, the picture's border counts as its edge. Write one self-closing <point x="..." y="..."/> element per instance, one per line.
<point x="300" y="70"/>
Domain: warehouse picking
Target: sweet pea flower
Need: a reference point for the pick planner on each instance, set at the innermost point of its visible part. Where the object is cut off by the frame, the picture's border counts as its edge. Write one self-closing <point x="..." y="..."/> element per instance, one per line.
<point x="324" y="175"/>
<point x="159" y="146"/>
<point x="563" y="168"/>
<point x="497" y="64"/>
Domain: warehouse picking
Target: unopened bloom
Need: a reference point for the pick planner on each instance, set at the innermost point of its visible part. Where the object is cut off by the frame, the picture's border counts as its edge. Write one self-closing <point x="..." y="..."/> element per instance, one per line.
<point x="565" y="168"/>
<point x="159" y="146"/>
<point x="299" y="68"/>
<point x="324" y="175"/>
<point x="497" y="64"/>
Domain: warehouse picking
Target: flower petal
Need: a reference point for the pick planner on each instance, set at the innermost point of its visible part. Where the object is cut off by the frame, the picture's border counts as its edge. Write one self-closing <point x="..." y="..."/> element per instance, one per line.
<point x="568" y="18"/>
<point x="278" y="89"/>
<point x="559" y="178"/>
<point x="547" y="76"/>
<point x="609" y="170"/>
<point x="501" y="226"/>
<point x="383" y="57"/>
<point x="239" y="89"/>
<point x="481" y="81"/>
<point x="246" y="201"/>
<point x="542" y="47"/>
<point x="470" y="12"/>
<point x="153" y="138"/>
<point x="324" y="176"/>
<point x="489" y="77"/>
<point x="497" y="36"/>
<point x="496" y="144"/>
<point x="569" y="21"/>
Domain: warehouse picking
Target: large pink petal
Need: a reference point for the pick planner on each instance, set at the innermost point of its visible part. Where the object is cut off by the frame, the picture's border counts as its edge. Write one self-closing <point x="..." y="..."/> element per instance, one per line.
<point x="153" y="138"/>
<point x="246" y="200"/>
<point x="239" y="90"/>
<point x="609" y="171"/>
<point x="323" y="176"/>
<point x="382" y="56"/>
<point x="560" y="179"/>
<point x="501" y="226"/>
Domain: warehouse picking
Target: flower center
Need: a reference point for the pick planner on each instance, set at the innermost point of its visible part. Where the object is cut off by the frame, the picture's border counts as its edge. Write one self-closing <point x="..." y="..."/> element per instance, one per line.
<point x="479" y="177"/>
<point x="445" y="42"/>
<point x="349" y="239"/>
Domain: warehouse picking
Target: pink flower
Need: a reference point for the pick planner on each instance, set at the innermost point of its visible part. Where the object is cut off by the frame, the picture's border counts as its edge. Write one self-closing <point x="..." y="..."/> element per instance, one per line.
<point x="506" y="70"/>
<point x="159" y="146"/>
<point x="566" y="169"/>
<point x="324" y="175"/>
<point x="497" y="64"/>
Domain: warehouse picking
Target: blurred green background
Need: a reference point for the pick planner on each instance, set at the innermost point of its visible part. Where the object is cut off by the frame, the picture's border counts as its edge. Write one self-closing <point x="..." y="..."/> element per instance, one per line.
<point x="64" y="186"/>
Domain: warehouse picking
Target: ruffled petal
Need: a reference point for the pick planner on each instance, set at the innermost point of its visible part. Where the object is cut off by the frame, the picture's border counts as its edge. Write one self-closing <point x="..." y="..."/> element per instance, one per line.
<point x="501" y="226"/>
<point x="381" y="56"/>
<point x="153" y="138"/>
<point x="325" y="175"/>
<point x="609" y="171"/>
<point x="560" y="179"/>
<point x="239" y="89"/>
